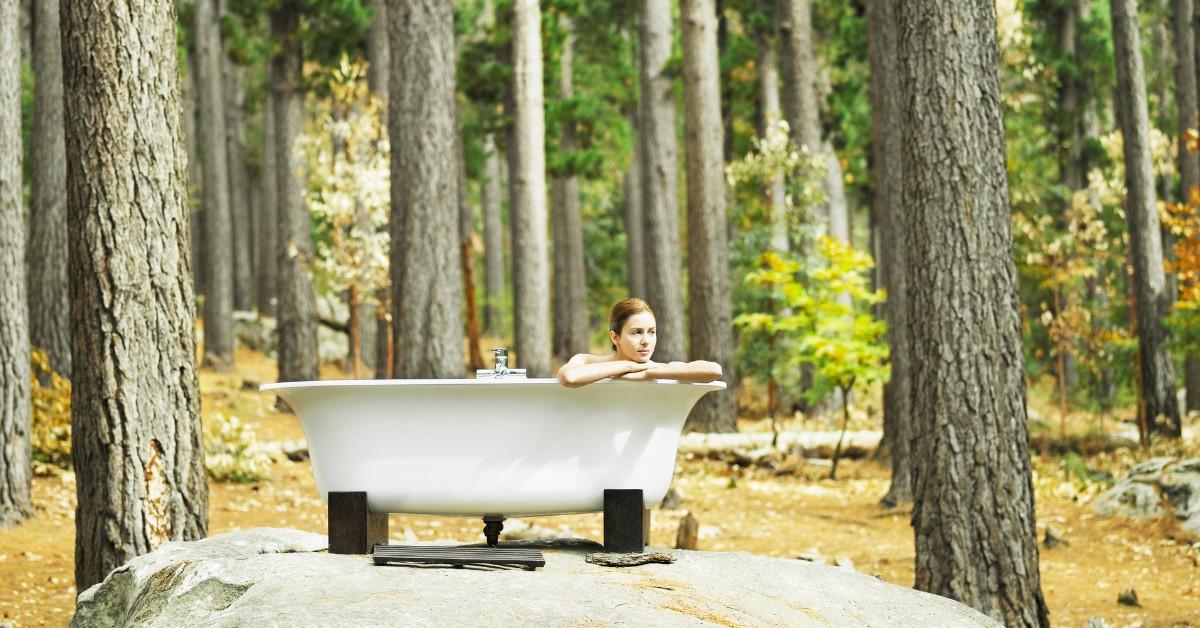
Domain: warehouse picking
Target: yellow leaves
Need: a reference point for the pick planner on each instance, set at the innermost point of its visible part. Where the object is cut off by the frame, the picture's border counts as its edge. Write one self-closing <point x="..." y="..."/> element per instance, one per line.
<point x="51" y="422"/>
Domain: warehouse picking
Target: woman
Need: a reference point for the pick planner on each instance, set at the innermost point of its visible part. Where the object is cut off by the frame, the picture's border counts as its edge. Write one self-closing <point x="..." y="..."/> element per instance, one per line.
<point x="632" y="331"/>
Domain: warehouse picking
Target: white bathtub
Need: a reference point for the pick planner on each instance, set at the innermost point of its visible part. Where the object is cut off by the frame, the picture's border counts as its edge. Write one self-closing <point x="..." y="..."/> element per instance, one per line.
<point x="509" y="447"/>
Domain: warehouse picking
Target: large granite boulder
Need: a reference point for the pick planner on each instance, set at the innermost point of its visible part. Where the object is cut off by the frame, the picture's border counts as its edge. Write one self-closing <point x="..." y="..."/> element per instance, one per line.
<point x="1155" y="488"/>
<point x="268" y="577"/>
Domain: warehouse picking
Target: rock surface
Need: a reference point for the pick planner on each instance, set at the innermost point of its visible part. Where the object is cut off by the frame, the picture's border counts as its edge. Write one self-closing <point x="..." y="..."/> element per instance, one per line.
<point x="1155" y="488"/>
<point x="270" y="577"/>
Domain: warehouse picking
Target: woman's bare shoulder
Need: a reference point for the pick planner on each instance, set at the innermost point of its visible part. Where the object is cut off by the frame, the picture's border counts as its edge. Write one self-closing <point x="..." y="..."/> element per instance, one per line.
<point x="591" y="358"/>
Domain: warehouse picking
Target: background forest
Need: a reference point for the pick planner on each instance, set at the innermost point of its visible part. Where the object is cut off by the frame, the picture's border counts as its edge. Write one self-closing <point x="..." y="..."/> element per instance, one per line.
<point x="368" y="195"/>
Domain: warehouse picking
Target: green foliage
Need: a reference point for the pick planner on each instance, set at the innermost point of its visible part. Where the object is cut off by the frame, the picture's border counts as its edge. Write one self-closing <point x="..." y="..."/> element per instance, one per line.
<point x="826" y="320"/>
<point x="50" y="434"/>
<point x="231" y="451"/>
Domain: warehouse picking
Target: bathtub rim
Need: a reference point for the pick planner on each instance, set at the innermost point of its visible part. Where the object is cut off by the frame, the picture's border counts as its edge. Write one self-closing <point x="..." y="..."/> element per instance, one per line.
<point x="366" y="383"/>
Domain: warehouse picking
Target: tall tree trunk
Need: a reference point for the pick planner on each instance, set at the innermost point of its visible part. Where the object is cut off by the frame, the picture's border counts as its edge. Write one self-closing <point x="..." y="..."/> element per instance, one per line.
<point x="570" y="284"/>
<point x="297" y="306"/>
<point x="771" y="113"/>
<point x="195" y="173"/>
<point x="377" y="327"/>
<point x="378" y="49"/>
<point x="527" y="185"/>
<point x="835" y="191"/>
<point x="887" y="173"/>
<point x="973" y="516"/>
<point x="660" y="180"/>
<point x="218" y="291"/>
<point x="267" y="268"/>
<point x="426" y="281"/>
<point x="799" y="66"/>
<point x="493" y="241"/>
<point x="135" y="401"/>
<point x="49" y="305"/>
<point x="710" y="308"/>
<point x="15" y="405"/>
<point x="1145" y="241"/>
<point x="1189" y="162"/>
<point x="466" y="231"/>
<point x="635" y="250"/>
<point x="239" y="186"/>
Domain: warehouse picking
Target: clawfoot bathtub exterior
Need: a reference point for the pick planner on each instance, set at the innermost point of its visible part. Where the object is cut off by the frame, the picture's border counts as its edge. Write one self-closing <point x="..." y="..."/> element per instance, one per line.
<point x="479" y="447"/>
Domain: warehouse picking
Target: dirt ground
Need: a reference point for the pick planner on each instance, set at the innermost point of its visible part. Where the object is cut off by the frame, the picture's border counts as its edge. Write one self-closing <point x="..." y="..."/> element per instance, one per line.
<point x="749" y="509"/>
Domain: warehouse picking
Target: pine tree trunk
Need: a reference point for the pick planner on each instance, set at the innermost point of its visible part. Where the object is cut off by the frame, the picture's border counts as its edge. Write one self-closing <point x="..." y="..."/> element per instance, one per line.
<point x="15" y="406"/>
<point x="1189" y="162"/>
<point x="218" y="291"/>
<point x="466" y="231"/>
<point x="799" y="64"/>
<point x="1145" y="238"/>
<point x="660" y="180"/>
<point x="835" y="191"/>
<point x="570" y="283"/>
<point x="239" y="187"/>
<point x="771" y="113"/>
<point x="527" y="185"/>
<point x="195" y="173"/>
<point x="375" y="322"/>
<point x="493" y="242"/>
<point x="973" y="516"/>
<point x="426" y="274"/>
<point x="710" y="309"/>
<point x="135" y="400"/>
<point x="49" y="305"/>
<point x="267" y="268"/>
<point x="887" y="173"/>
<point x="297" y="306"/>
<point x="378" y="49"/>
<point x="635" y="250"/>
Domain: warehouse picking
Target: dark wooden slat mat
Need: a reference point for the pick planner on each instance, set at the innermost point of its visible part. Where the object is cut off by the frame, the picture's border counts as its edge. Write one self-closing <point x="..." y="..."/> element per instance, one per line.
<point x="458" y="556"/>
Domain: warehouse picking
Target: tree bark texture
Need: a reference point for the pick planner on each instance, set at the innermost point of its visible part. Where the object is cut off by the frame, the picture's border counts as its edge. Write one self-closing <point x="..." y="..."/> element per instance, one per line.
<point x="660" y="180"/>
<point x="218" y="253"/>
<point x="239" y="185"/>
<point x="772" y="112"/>
<point x="135" y="400"/>
<point x="799" y="66"/>
<point x="973" y="516"/>
<point x="570" y="282"/>
<point x="635" y="250"/>
<point x="297" y="305"/>
<point x="267" y="268"/>
<point x="710" y="308"/>
<point x="1189" y="162"/>
<point x="426" y="273"/>
<point x="887" y="163"/>
<point x="527" y="184"/>
<point x="378" y="49"/>
<point x="15" y="404"/>
<point x="49" y="305"/>
<point x="195" y="173"/>
<point x="493" y="242"/>
<point x="835" y="192"/>
<point x="1145" y="237"/>
<point x="376" y="326"/>
<point x="466" y="229"/>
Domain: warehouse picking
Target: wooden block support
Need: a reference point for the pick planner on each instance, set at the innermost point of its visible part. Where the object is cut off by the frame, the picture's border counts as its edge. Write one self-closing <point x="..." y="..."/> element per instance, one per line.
<point x="626" y="521"/>
<point x="353" y="528"/>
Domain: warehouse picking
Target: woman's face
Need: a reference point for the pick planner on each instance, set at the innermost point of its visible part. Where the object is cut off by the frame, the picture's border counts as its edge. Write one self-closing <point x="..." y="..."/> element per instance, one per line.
<point x="637" y="338"/>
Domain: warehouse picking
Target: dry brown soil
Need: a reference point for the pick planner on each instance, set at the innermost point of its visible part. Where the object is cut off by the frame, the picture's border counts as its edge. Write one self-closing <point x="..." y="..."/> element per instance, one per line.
<point x="749" y="510"/>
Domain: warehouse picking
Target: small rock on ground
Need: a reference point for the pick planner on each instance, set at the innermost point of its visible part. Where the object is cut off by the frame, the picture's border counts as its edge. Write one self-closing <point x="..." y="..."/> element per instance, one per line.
<point x="629" y="560"/>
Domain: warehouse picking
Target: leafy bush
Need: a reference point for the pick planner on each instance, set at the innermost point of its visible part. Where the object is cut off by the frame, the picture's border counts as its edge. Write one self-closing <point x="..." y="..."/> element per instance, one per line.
<point x="231" y="451"/>
<point x="50" y="435"/>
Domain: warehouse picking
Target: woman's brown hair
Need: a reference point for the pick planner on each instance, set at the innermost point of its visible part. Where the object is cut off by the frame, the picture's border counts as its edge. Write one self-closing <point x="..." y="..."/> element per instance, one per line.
<point x="623" y="310"/>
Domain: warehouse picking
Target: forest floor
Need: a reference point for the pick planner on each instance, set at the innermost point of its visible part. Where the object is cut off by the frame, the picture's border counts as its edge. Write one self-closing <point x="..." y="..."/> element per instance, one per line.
<point x="749" y="509"/>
